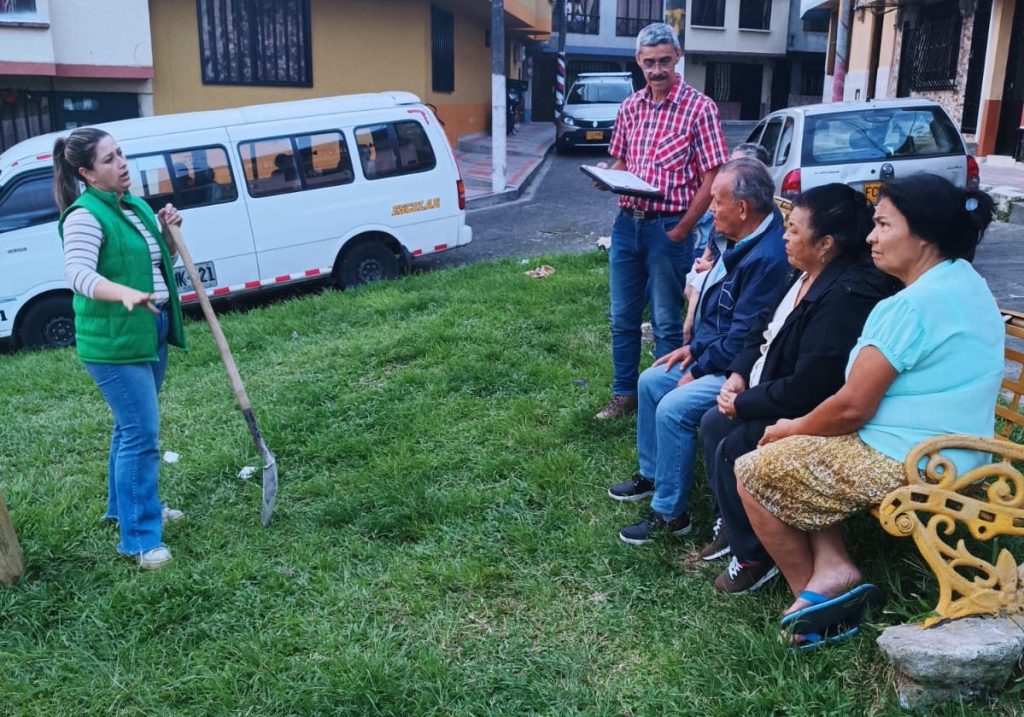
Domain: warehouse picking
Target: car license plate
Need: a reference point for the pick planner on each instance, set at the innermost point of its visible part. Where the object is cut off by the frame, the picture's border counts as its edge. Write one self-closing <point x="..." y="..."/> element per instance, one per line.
<point x="872" y="190"/>
<point x="598" y="135"/>
<point x="206" y="273"/>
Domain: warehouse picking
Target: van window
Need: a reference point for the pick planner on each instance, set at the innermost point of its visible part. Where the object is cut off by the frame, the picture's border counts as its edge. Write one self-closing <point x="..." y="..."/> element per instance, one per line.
<point x="290" y="164"/>
<point x="387" y="150"/>
<point x="28" y="202"/>
<point x="770" y="138"/>
<point x="878" y="134"/>
<point x="785" y="143"/>
<point x="193" y="177"/>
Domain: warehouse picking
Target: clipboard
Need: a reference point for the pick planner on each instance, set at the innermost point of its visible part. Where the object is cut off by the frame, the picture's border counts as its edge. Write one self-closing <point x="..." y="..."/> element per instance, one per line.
<point x="620" y="181"/>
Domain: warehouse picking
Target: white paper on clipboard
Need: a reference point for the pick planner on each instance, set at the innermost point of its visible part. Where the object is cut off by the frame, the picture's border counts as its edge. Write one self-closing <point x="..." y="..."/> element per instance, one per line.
<point x="620" y="181"/>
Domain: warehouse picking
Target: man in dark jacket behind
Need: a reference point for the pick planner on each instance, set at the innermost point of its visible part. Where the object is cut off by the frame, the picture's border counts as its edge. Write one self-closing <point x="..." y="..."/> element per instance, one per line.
<point x="676" y="391"/>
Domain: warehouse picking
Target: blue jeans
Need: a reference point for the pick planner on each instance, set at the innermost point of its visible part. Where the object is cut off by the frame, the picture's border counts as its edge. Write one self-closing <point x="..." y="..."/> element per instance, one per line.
<point x="666" y="433"/>
<point x="134" y="465"/>
<point x="645" y="264"/>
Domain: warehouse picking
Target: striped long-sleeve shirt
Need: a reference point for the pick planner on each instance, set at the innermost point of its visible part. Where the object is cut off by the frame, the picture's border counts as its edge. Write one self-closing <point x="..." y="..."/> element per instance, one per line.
<point x="82" y="241"/>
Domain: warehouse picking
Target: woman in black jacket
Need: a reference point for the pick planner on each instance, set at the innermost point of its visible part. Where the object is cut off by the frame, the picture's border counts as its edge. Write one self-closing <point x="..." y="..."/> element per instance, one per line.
<point x="792" y="361"/>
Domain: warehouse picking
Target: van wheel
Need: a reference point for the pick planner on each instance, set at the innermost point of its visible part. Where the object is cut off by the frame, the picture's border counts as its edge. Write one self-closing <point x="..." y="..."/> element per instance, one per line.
<point x="48" y="323"/>
<point x="365" y="262"/>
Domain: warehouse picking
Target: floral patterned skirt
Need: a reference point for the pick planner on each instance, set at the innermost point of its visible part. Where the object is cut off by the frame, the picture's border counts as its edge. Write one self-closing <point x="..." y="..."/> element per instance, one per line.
<point x="813" y="483"/>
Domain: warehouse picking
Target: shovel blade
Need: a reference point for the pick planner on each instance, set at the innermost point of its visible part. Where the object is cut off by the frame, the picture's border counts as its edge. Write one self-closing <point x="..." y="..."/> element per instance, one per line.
<point x="269" y="489"/>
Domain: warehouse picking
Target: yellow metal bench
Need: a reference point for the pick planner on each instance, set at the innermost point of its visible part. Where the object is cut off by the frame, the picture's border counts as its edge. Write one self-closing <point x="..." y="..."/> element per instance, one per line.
<point x="988" y="501"/>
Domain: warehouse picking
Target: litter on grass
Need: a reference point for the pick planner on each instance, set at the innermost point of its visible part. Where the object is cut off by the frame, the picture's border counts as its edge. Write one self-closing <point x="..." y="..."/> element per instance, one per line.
<point x="171" y="457"/>
<point x="541" y="272"/>
<point x="247" y="472"/>
<point x="604" y="243"/>
<point x="580" y="382"/>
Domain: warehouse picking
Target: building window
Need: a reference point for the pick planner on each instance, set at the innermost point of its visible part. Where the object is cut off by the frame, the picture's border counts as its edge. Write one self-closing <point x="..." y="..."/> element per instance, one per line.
<point x="442" y="49"/>
<point x="255" y="42"/>
<point x="817" y="20"/>
<point x="17" y="9"/>
<point x="708" y="13"/>
<point x="583" y="17"/>
<point x="755" y="14"/>
<point x="812" y="77"/>
<point x="933" y="48"/>
<point x="635" y="15"/>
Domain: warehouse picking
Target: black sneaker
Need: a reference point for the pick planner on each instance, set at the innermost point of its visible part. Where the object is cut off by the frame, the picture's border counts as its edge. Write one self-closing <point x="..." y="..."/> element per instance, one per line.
<point x="740" y="578"/>
<point x="646" y="529"/>
<point x="719" y="545"/>
<point x="636" y="488"/>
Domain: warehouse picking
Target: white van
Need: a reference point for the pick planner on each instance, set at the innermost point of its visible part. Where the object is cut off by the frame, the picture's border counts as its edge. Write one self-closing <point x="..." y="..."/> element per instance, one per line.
<point x="348" y="187"/>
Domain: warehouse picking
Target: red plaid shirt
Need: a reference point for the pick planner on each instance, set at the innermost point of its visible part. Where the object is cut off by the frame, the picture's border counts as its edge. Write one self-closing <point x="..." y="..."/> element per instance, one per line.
<point x="670" y="145"/>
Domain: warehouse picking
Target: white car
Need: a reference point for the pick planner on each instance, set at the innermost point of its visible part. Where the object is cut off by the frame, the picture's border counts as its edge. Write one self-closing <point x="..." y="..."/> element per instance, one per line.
<point x="588" y="117"/>
<point x="862" y="144"/>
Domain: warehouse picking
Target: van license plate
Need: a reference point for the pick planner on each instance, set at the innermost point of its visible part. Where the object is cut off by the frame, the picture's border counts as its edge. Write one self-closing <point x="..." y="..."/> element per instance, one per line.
<point x="872" y="190"/>
<point x="206" y="273"/>
<point x="595" y="135"/>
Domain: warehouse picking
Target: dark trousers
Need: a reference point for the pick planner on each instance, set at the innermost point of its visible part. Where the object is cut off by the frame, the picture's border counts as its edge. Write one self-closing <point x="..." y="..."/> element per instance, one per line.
<point x="725" y="440"/>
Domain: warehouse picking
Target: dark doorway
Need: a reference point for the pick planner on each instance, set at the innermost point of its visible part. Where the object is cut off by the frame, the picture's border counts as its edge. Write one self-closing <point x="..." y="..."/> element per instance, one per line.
<point x="906" y="42"/>
<point x="976" y="67"/>
<point x="736" y="88"/>
<point x="543" y="98"/>
<point x="1013" y="90"/>
<point x="782" y="77"/>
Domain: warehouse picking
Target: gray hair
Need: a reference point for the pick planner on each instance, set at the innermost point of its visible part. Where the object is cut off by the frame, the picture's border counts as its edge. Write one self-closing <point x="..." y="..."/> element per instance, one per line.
<point x="751" y="182"/>
<point x="655" y="34"/>
<point x="752" y="150"/>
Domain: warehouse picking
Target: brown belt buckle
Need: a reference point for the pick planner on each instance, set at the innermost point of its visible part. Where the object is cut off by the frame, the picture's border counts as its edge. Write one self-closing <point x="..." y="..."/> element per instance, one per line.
<point x="639" y="214"/>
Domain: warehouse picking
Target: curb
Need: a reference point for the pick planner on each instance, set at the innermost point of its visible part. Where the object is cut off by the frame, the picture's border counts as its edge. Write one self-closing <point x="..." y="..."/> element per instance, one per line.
<point x="512" y="193"/>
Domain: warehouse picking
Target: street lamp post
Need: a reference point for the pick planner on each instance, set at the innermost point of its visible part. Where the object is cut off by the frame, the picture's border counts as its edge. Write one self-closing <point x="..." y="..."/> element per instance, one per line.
<point x="498" y="139"/>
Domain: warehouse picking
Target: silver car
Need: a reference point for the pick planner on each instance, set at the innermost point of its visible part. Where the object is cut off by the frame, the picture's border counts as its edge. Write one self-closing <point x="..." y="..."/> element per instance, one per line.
<point x="588" y="117"/>
<point x="862" y="144"/>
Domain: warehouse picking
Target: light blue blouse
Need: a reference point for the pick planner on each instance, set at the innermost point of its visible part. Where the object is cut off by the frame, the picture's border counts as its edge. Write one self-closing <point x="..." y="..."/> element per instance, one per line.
<point x="944" y="336"/>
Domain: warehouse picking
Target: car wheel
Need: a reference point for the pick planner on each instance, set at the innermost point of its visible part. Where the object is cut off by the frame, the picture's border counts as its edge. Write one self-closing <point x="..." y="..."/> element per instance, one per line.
<point x="369" y="260"/>
<point x="48" y="323"/>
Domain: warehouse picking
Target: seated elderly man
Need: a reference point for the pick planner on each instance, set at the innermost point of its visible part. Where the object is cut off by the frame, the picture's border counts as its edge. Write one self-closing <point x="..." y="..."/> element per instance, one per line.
<point x="676" y="391"/>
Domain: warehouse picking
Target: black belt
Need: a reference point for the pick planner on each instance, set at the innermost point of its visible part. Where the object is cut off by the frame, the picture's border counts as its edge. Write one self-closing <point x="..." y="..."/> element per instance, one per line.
<point x="646" y="215"/>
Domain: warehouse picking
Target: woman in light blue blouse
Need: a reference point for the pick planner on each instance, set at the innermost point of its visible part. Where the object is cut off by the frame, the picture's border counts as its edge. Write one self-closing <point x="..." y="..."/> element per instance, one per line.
<point x="929" y="362"/>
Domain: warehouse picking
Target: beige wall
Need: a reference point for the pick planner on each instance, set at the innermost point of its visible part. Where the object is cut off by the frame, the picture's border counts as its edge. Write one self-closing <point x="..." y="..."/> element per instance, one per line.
<point x="357" y="46"/>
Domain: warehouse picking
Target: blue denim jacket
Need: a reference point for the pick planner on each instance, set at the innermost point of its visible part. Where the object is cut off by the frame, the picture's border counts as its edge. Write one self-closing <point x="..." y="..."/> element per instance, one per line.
<point x="731" y="308"/>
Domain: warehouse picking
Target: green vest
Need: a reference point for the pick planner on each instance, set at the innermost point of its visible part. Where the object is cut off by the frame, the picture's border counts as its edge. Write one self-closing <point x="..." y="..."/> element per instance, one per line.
<point x="105" y="331"/>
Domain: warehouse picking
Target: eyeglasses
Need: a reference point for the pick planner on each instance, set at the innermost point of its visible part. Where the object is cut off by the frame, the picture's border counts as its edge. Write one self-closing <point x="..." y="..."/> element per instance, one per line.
<point x="662" y="63"/>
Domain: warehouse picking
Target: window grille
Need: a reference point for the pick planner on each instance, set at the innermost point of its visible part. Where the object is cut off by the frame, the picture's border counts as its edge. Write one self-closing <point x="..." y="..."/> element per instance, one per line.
<point x="255" y="42"/>
<point x="583" y="17"/>
<point x="442" y="50"/>
<point x="634" y="15"/>
<point x="756" y="14"/>
<point x="708" y="13"/>
<point x="934" y="47"/>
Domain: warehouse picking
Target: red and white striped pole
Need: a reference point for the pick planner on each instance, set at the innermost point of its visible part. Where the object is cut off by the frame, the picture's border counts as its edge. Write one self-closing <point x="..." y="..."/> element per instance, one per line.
<point x="560" y="69"/>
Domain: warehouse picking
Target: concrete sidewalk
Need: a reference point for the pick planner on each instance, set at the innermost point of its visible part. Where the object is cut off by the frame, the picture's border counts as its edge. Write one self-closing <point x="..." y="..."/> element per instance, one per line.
<point x="525" y="151"/>
<point x="1003" y="179"/>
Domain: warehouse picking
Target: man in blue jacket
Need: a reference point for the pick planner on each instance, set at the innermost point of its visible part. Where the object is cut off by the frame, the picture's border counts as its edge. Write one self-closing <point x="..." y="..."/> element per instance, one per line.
<point x="675" y="392"/>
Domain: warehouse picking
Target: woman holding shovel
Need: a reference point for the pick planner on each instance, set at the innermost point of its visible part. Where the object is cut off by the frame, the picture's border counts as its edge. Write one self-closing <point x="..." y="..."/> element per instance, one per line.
<point x="126" y="313"/>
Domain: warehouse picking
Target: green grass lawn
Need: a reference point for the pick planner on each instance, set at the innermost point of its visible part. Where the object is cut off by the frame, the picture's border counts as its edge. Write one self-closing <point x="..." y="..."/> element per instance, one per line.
<point x="442" y="544"/>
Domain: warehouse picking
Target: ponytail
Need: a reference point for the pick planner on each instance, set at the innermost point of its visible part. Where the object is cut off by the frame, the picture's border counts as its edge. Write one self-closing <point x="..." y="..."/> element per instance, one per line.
<point x="70" y="155"/>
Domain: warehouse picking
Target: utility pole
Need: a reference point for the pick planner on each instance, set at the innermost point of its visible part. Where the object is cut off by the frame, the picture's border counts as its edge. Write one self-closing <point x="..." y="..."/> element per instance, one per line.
<point x="560" y="70"/>
<point x="498" y="139"/>
<point x="842" y="51"/>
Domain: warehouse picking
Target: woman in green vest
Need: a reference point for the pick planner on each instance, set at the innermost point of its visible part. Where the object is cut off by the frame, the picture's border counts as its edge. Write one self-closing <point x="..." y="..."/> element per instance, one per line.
<point x="119" y="265"/>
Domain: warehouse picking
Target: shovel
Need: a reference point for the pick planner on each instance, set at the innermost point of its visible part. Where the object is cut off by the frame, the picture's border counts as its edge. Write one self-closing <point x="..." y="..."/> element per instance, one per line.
<point x="270" y="463"/>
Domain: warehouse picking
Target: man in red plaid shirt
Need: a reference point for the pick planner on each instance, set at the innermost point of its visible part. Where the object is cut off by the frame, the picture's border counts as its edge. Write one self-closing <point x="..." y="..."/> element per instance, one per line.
<point x="669" y="135"/>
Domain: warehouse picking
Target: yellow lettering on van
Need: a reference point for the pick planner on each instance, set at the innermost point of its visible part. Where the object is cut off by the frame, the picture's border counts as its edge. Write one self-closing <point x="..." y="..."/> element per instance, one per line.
<point x="420" y="206"/>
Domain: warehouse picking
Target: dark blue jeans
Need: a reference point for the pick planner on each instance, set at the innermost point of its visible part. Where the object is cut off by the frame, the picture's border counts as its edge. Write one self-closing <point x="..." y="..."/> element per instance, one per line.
<point x="645" y="263"/>
<point x="134" y="465"/>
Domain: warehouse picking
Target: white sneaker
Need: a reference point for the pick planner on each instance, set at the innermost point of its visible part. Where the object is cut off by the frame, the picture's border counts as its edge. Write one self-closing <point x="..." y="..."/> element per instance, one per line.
<point x="170" y="515"/>
<point x="154" y="558"/>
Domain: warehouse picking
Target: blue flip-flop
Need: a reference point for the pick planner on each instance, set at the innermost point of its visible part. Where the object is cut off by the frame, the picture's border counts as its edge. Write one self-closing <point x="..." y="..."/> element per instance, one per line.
<point x="814" y="640"/>
<point x="825" y="612"/>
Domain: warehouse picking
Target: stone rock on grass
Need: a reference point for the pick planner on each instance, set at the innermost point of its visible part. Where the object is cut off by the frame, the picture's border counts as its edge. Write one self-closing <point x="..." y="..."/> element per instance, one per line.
<point x="964" y="658"/>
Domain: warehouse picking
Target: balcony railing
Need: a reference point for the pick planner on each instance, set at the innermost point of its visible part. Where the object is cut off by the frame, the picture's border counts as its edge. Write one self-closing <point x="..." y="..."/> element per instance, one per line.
<point x="631" y="26"/>
<point x="583" y="24"/>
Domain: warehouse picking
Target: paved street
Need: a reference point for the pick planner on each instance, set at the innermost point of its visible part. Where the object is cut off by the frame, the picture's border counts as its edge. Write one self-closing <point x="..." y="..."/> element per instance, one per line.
<point x="562" y="212"/>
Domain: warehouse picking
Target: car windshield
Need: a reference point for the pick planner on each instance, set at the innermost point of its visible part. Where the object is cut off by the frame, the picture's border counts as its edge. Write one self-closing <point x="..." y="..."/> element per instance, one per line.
<point x="878" y="134"/>
<point x="593" y="93"/>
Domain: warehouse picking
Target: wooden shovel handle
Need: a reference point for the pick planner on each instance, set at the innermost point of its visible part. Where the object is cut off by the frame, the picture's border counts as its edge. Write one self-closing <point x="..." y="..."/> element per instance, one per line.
<point x="211" y="317"/>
